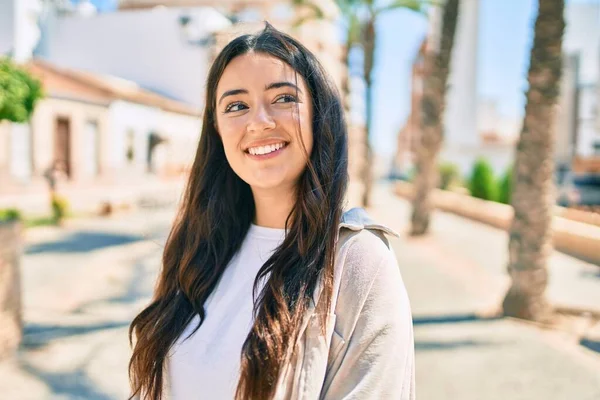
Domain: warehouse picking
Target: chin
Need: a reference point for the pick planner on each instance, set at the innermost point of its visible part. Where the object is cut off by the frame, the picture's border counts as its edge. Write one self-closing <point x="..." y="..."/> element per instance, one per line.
<point x="268" y="184"/>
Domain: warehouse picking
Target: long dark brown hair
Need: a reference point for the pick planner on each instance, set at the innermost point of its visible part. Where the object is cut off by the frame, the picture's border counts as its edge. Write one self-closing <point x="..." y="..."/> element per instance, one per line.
<point x="215" y="215"/>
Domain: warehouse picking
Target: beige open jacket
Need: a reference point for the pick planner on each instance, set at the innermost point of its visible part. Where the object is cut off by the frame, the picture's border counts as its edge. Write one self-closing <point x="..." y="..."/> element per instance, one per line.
<point x="368" y="349"/>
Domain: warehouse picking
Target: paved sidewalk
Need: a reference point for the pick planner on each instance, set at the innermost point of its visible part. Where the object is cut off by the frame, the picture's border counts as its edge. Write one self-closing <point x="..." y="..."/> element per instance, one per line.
<point x="453" y="277"/>
<point x="83" y="284"/>
<point x="479" y="254"/>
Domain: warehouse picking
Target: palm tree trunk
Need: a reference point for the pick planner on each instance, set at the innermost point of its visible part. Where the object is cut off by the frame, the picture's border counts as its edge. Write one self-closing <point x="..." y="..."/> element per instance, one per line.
<point x="437" y="66"/>
<point x="346" y="78"/>
<point x="369" y="55"/>
<point x="530" y="241"/>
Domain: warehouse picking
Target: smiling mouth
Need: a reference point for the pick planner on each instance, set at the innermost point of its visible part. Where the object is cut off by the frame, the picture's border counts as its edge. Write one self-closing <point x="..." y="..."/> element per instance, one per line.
<point x="266" y="150"/>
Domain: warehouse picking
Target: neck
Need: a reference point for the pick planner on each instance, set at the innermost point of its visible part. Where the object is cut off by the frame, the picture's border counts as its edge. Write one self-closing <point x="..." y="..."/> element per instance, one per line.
<point x="272" y="206"/>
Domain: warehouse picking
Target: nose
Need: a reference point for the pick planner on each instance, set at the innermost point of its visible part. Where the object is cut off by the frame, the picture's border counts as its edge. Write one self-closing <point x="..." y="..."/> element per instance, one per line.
<point x="261" y="120"/>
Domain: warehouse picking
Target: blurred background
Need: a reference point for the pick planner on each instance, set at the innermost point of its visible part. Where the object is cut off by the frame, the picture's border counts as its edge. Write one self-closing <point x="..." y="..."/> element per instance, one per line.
<point x="100" y="114"/>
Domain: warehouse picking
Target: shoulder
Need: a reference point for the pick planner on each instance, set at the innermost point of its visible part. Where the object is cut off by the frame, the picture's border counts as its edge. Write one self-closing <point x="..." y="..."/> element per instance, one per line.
<point x="370" y="284"/>
<point x="363" y="255"/>
<point x="364" y="250"/>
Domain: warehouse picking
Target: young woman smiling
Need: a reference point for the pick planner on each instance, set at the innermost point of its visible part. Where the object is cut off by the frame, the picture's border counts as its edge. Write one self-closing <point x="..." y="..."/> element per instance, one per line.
<point x="268" y="289"/>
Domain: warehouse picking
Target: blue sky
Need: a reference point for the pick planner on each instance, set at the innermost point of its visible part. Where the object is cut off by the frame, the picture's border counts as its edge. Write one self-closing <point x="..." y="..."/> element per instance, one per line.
<point x="103" y="5"/>
<point x="505" y="35"/>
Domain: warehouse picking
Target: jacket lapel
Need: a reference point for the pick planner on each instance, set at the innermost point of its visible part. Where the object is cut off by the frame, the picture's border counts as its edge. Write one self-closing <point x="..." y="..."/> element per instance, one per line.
<point x="308" y="358"/>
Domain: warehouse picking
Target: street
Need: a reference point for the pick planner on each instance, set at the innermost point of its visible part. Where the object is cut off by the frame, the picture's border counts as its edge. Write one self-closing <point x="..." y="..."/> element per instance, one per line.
<point x="82" y="285"/>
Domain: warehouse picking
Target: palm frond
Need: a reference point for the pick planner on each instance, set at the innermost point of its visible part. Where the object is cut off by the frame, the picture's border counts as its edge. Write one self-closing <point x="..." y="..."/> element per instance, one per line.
<point x="419" y="6"/>
<point x="316" y="14"/>
<point x="354" y="29"/>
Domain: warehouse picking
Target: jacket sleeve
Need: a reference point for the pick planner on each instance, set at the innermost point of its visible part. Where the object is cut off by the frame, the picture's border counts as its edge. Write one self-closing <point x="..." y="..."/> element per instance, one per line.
<point x="376" y="360"/>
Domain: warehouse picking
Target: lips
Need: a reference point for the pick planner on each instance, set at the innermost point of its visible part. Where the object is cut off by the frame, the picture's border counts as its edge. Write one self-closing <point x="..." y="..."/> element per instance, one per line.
<point x="263" y="145"/>
<point x="266" y="156"/>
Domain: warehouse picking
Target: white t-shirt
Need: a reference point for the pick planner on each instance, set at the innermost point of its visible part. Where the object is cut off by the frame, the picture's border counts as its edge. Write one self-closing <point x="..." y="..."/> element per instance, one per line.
<point x="206" y="366"/>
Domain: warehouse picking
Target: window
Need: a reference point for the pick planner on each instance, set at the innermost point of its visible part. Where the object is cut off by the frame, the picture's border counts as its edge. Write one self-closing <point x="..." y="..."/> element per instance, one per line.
<point x="130" y="146"/>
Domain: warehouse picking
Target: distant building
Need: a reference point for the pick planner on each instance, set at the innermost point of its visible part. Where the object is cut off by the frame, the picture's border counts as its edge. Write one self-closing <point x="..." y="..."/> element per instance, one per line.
<point x="578" y="117"/>
<point x="100" y="129"/>
<point x="578" y="136"/>
<point x="472" y="128"/>
<point x="134" y="81"/>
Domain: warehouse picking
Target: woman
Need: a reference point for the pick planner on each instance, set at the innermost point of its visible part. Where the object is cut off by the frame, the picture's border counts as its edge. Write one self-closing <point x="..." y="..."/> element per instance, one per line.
<point x="267" y="289"/>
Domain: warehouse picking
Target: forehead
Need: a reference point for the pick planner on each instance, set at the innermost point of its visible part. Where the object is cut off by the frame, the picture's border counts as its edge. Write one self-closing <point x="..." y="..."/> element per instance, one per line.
<point x="257" y="70"/>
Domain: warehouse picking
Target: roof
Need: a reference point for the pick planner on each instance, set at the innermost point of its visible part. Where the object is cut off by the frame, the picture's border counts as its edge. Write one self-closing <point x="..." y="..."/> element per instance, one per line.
<point x="100" y="89"/>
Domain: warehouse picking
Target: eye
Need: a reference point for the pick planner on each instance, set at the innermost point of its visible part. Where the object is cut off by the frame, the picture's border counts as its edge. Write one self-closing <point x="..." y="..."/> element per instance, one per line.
<point x="286" y="98"/>
<point x="237" y="106"/>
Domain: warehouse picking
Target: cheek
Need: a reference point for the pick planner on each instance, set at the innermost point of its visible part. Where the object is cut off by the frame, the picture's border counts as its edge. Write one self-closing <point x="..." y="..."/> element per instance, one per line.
<point x="231" y="135"/>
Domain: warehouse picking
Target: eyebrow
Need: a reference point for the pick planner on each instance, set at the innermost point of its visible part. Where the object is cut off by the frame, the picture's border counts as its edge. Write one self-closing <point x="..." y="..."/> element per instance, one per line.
<point x="232" y="93"/>
<point x="274" y="85"/>
<point x="277" y="85"/>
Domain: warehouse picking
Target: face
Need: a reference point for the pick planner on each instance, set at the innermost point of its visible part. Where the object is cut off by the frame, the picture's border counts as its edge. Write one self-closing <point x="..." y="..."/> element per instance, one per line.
<point x="263" y="110"/>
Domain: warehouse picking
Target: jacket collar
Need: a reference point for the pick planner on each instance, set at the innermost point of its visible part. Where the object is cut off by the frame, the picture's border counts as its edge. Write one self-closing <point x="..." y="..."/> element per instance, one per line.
<point x="357" y="219"/>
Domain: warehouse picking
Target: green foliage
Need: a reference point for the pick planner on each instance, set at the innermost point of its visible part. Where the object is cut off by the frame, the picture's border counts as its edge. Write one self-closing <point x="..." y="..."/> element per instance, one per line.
<point x="9" y="215"/>
<point x="449" y="176"/>
<point x="60" y="206"/>
<point x="39" y="221"/>
<point x="19" y="92"/>
<point x="505" y="186"/>
<point x="351" y="9"/>
<point x="419" y="6"/>
<point x="483" y="183"/>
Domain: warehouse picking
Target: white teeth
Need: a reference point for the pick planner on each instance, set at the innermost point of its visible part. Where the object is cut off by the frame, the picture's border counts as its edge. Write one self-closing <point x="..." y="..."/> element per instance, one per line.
<point x="265" y="149"/>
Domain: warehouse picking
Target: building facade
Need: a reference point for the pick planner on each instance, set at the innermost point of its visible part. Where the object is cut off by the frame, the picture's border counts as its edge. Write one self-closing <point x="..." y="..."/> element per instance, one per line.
<point x="98" y="133"/>
<point x="126" y="88"/>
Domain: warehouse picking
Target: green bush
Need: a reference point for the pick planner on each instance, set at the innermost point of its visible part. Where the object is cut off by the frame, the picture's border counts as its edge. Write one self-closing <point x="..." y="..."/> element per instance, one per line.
<point x="449" y="176"/>
<point x="483" y="184"/>
<point x="10" y="214"/>
<point x="505" y="187"/>
<point x="60" y="206"/>
<point x="19" y="92"/>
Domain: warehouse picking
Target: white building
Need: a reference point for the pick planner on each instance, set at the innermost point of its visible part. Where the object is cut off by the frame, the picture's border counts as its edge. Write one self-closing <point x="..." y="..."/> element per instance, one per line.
<point x="474" y="128"/>
<point x="102" y="129"/>
<point x="106" y="132"/>
<point x="580" y="113"/>
<point x="144" y="46"/>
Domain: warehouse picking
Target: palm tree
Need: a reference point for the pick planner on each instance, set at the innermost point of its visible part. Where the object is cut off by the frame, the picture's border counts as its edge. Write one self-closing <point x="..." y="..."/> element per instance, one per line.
<point x="348" y="10"/>
<point x="369" y="40"/>
<point x="361" y="31"/>
<point x="437" y="68"/>
<point x="530" y="240"/>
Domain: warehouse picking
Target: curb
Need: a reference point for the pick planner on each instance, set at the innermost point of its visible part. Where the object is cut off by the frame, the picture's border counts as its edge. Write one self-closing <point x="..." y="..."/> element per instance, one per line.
<point x="575" y="238"/>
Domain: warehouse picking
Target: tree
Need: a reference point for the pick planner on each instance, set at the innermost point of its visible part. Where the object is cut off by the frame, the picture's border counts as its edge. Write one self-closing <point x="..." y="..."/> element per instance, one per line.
<point x="433" y="102"/>
<point x="361" y="31"/>
<point x="369" y="40"/>
<point x="530" y="241"/>
<point x="348" y="9"/>
<point x="19" y="92"/>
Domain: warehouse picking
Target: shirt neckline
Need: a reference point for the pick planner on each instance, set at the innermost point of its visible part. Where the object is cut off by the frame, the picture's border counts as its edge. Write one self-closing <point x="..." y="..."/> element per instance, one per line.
<point x="267" y="233"/>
